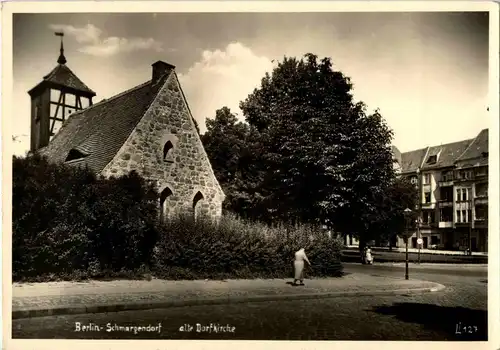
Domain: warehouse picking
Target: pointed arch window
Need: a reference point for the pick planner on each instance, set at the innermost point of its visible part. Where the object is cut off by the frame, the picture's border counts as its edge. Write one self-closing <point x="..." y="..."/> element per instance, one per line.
<point x="167" y="192"/>
<point x="198" y="204"/>
<point x="167" y="151"/>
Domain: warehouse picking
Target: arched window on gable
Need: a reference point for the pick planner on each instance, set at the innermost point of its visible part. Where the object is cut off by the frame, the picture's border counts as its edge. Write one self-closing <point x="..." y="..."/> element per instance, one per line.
<point x="167" y="192"/>
<point x="197" y="205"/>
<point x="167" y="151"/>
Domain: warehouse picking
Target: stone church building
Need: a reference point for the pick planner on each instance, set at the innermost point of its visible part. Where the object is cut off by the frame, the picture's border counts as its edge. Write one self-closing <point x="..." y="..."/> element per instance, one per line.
<point x="148" y="128"/>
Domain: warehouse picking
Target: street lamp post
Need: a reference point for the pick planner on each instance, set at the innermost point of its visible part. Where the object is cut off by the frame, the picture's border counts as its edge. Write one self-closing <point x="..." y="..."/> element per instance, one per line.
<point x="420" y="185"/>
<point x="419" y="238"/>
<point x="407" y="213"/>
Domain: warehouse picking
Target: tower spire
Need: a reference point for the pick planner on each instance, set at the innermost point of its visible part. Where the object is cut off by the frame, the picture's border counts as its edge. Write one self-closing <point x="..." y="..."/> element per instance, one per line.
<point x="61" y="59"/>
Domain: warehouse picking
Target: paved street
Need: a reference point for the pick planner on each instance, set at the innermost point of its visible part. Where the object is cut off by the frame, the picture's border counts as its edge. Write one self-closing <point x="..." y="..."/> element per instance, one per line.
<point x="422" y="317"/>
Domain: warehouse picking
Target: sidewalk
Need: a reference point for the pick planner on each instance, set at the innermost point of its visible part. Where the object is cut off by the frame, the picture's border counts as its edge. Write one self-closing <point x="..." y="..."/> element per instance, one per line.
<point x="471" y="267"/>
<point x="422" y="251"/>
<point x="57" y="298"/>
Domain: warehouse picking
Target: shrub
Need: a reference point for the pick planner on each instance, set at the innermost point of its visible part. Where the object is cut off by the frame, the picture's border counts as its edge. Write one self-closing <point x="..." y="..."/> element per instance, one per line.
<point x="66" y="219"/>
<point x="235" y="248"/>
<point x="70" y="224"/>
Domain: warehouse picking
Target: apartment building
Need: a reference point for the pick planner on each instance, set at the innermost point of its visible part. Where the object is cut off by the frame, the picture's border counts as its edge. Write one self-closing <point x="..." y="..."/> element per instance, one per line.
<point x="452" y="180"/>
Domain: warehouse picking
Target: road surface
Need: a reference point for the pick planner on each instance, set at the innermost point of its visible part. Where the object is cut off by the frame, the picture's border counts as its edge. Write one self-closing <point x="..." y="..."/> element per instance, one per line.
<point x="457" y="313"/>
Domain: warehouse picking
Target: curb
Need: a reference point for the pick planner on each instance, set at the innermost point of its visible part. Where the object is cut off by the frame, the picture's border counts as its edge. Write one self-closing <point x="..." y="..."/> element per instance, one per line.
<point x="79" y="309"/>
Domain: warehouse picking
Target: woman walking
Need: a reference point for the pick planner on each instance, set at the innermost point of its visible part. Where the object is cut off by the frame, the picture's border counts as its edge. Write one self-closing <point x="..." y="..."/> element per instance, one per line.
<point x="369" y="256"/>
<point x="300" y="256"/>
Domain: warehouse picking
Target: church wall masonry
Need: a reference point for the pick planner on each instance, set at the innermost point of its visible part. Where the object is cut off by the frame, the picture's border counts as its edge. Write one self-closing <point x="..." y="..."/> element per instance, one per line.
<point x="165" y="147"/>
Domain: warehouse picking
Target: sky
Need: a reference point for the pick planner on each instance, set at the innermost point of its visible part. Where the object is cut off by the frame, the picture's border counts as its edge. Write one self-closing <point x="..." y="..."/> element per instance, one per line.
<point x="426" y="72"/>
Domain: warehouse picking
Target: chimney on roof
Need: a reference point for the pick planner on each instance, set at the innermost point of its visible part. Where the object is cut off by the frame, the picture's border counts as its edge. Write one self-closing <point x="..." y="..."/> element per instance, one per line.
<point x="160" y="69"/>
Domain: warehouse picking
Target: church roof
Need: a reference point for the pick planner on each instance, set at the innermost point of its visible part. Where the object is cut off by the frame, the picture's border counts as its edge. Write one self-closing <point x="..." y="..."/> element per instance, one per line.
<point x="61" y="75"/>
<point x="98" y="132"/>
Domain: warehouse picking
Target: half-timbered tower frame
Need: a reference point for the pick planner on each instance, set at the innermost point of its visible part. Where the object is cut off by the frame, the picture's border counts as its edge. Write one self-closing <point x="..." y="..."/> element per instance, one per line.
<point x="54" y="99"/>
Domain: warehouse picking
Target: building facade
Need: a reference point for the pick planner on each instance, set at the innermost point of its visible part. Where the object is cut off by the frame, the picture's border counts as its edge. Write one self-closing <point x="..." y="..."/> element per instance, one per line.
<point x="452" y="182"/>
<point x="148" y="128"/>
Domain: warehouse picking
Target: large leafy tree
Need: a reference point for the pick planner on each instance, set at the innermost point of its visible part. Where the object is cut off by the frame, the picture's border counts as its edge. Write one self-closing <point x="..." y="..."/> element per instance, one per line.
<point x="309" y="153"/>
<point x="328" y="159"/>
<point x="389" y="220"/>
<point x="230" y="145"/>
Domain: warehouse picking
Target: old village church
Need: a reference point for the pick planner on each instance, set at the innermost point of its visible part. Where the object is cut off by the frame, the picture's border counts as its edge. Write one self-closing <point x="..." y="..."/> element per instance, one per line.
<point x="148" y="128"/>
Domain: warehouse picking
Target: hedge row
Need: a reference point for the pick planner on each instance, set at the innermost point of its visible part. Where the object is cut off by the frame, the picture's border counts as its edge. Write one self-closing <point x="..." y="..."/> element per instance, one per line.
<point x="69" y="224"/>
<point x="239" y="249"/>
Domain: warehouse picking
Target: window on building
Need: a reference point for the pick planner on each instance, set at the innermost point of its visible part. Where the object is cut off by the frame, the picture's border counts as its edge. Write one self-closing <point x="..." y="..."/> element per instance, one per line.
<point x="466" y="175"/>
<point x="197" y="204"/>
<point x="167" y="149"/>
<point x="435" y="240"/>
<point x="481" y="171"/>
<point x="427" y="179"/>
<point x="446" y="214"/>
<point x="446" y="194"/>
<point x="167" y="192"/>
<point x="464" y="216"/>
<point x="482" y="189"/>
<point x="464" y="194"/>
<point x="427" y="196"/>
<point x="458" y="217"/>
<point x="481" y="212"/>
<point x="432" y="159"/>
<point x="428" y="217"/>
<point x="458" y="192"/>
<point x="447" y="176"/>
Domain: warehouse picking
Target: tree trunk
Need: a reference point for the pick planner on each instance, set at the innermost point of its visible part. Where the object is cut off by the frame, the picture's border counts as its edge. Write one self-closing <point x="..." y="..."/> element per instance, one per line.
<point x="362" y="245"/>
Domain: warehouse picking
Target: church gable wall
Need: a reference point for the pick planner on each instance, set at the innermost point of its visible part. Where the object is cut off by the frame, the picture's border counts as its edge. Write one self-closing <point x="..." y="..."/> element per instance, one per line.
<point x="165" y="147"/>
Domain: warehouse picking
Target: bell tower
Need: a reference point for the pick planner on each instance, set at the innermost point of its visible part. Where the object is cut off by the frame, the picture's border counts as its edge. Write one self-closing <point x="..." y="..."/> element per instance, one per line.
<point x="54" y="99"/>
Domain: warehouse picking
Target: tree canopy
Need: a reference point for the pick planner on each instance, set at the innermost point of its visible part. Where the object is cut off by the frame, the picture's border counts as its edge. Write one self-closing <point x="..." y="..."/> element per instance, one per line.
<point x="307" y="153"/>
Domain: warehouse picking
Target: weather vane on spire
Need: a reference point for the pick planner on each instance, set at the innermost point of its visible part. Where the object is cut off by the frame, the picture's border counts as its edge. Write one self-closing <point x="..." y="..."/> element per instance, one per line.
<point x="61" y="59"/>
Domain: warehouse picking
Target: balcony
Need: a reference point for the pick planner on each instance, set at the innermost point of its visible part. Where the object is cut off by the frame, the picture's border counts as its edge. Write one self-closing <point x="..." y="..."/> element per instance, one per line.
<point x="443" y="203"/>
<point x="445" y="224"/>
<point x="445" y="183"/>
<point x="481" y="222"/>
<point x="428" y="225"/>
<point x="479" y="175"/>
<point x="469" y="177"/>
<point x="429" y="205"/>
<point x="481" y="200"/>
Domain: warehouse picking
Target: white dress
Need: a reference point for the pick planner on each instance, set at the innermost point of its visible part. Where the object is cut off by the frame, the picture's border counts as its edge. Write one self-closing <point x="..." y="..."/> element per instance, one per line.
<point x="300" y="256"/>
<point x="369" y="257"/>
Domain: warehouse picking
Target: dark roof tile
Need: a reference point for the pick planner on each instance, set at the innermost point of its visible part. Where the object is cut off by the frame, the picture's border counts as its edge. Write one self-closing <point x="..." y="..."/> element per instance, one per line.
<point x="477" y="147"/>
<point x="412" y="160"/>
<point x="61" y="75"/>
<point x="448" y="155"/>
<point x="101" y="130"/>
